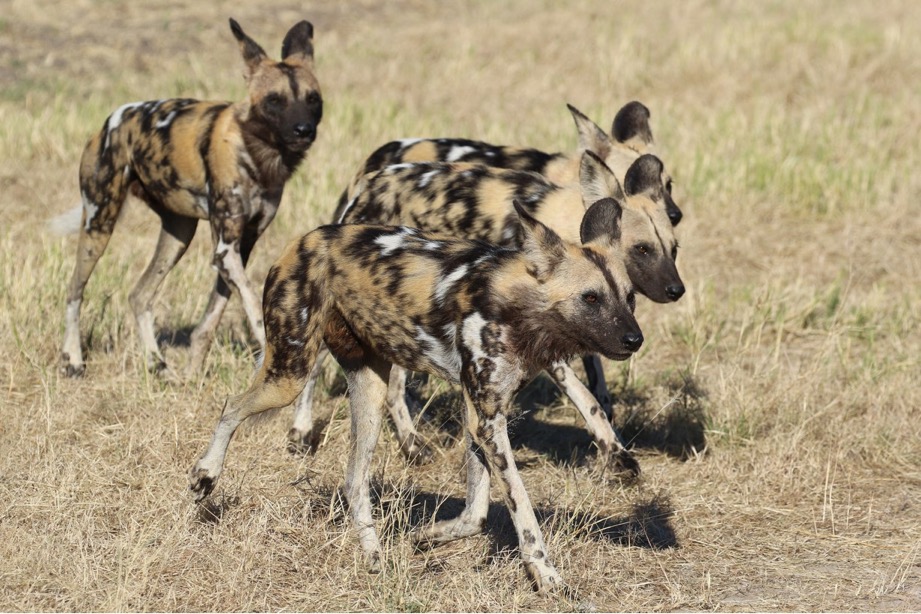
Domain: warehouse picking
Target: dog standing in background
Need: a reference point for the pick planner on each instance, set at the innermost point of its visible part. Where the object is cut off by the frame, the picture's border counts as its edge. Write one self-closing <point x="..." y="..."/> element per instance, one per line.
<point x="192" y="160"/>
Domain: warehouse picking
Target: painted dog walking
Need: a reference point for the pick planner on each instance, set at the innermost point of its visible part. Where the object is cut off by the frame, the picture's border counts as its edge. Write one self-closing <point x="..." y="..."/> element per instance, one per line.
<point x="476" y="202"/>
<point x="191" y="160"/>
<point x="484" y="316"/>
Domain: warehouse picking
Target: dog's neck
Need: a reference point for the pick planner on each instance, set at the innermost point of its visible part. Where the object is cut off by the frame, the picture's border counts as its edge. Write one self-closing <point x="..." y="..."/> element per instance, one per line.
<point x="274" y="164"/>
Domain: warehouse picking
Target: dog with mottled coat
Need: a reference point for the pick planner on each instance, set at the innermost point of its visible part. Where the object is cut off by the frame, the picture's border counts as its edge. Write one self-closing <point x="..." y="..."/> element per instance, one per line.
<point x="192" y="160"/>
<point x="484" y="316"/>
<point x="630" y="138"/>
<point x="476" y="202"/>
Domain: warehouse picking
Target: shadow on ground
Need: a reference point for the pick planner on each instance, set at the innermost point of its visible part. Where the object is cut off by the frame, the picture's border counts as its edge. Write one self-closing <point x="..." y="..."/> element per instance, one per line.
<point x="668" y="416"/>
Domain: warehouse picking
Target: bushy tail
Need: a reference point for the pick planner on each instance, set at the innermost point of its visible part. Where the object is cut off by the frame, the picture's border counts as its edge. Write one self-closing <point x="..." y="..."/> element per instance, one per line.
<point x="67" y="223"/>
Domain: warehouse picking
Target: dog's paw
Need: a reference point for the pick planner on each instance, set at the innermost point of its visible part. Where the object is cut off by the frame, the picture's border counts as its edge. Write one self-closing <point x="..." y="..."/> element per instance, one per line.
<point x="201" y="483"/>
<point x="625" y="463"/>
<point x="70" y="368"/>
<point x="302" y="443"/>
<point x="416" y="451"/>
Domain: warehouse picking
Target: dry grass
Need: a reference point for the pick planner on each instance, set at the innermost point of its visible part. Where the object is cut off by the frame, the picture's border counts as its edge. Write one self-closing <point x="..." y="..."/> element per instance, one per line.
<point x="775" y="408"/>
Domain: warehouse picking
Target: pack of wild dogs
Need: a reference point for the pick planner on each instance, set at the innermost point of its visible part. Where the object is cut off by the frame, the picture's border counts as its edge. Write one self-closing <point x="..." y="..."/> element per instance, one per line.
<point x="476" y="263"/>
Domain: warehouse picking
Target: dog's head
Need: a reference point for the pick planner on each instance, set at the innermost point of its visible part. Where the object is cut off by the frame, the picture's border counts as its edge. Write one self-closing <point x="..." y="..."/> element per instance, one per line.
<point x="647" y="236"/>
<point x="630" y="138"/>
<point x="285" y="104"/>
<point x="584" y="294"/>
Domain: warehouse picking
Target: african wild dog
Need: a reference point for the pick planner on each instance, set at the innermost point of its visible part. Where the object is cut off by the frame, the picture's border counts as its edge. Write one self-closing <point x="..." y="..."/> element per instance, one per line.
<point x="484" y="316"/>
<point x="630" y="138"/>
<point x="191" y="160"/>
<point x="476" y="202"/>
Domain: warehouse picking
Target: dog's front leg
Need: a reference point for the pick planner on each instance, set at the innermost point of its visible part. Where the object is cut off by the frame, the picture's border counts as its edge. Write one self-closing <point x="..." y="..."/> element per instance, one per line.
<point x="594" y="373"/>
<point x="491" y="434"/>
<point x="606" y="438"/>
<point x="233" y="242"/>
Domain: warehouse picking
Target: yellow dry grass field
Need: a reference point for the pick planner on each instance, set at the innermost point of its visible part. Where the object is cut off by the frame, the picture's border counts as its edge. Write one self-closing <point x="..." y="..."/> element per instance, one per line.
<point x="774" y="409"/>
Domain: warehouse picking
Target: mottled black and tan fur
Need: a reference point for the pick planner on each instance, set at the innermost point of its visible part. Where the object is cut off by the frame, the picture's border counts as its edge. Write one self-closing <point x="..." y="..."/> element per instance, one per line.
<point x="630" y="138"/>
<point x="192" y="160"/>
<point x="483" y="316"/>
<point x="476" y="202"/>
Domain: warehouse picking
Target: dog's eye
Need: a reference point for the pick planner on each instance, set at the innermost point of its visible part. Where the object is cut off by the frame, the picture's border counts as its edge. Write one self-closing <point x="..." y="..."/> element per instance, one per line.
<point x="590" y="297"/>
<point x="631" y="301"/>
<point x="313" y="98"/>
<point x="642" y="249"/>
<point x="274" y="101"/>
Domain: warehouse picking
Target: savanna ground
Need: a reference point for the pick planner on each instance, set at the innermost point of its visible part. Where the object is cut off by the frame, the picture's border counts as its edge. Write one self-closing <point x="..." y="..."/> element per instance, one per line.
<point x="774" y="409"/>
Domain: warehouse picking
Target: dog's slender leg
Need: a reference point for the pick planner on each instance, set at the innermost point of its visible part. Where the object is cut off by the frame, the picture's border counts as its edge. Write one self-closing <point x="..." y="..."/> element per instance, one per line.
<point x="594" y="372"/>
<point x="411" y="443"/>
<point x="98" y="223"/>
<point x="367" y="389"/>
<point x="232" y="269"/>
<point x="175" y="235"/>
<point x="262" y="395"/>
<point x="203" y="334"/>
<point x="491" y="434"/>
<point x="606" y="438"/>
<point x="472" y="519"/>
<point x="304" y="436"/>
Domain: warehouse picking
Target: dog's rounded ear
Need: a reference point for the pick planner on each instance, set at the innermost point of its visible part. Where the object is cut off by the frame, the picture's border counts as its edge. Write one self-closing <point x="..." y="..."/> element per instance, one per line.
<point x="543" y="249"/>
<point x="601" y="223"/>
<point x="252" y="53"/>
<point x="591" y="136"/>
<point x="632" y="123"/>
<point x="644" y="175"/>
<point x="298" y="41"/>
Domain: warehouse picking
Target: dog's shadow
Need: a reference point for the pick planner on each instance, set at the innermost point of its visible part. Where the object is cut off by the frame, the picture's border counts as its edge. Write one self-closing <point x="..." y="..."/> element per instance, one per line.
<point x="676" y="426"/>
<point x="403" y="509"/>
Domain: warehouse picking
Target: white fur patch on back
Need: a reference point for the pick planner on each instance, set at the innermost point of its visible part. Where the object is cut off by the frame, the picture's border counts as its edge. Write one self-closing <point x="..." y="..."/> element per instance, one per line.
<point x="459" y="151"/>
<point x="427" y="178"/>
<point x="115" y="120"/>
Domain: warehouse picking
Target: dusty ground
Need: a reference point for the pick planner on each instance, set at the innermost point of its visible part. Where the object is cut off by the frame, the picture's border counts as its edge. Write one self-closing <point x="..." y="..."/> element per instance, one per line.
<point x="774" y="409"/>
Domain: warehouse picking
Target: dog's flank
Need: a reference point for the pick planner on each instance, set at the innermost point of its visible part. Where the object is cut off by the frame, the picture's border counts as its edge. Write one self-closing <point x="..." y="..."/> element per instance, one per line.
<point x="630" y="138"/>
<point x="484" y="316"/>
<point x="189" y="160"/>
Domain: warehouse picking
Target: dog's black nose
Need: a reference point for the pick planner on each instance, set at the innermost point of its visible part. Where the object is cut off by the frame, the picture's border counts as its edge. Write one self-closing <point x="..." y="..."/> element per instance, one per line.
<point x="674" y="292"/>
<point x="674" y="216"/>
<point x="633" y="341"/>
<point x="304" y="131"/>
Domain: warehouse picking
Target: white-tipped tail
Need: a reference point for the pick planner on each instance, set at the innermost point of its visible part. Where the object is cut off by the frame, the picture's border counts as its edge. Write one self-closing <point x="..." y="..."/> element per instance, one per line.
<point x="67" y="223"/>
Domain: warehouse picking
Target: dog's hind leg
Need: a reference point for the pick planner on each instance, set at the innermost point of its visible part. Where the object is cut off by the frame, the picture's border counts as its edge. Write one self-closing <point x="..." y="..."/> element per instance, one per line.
<point x="367" y="389"/>
<point x="304" y="436"/>
<point x="472" y="519"/>
<point x="103" y="197"/>
<point x="264" y="394"/>
<point x="175" y="235"/>
<point x="411" y="444"/>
